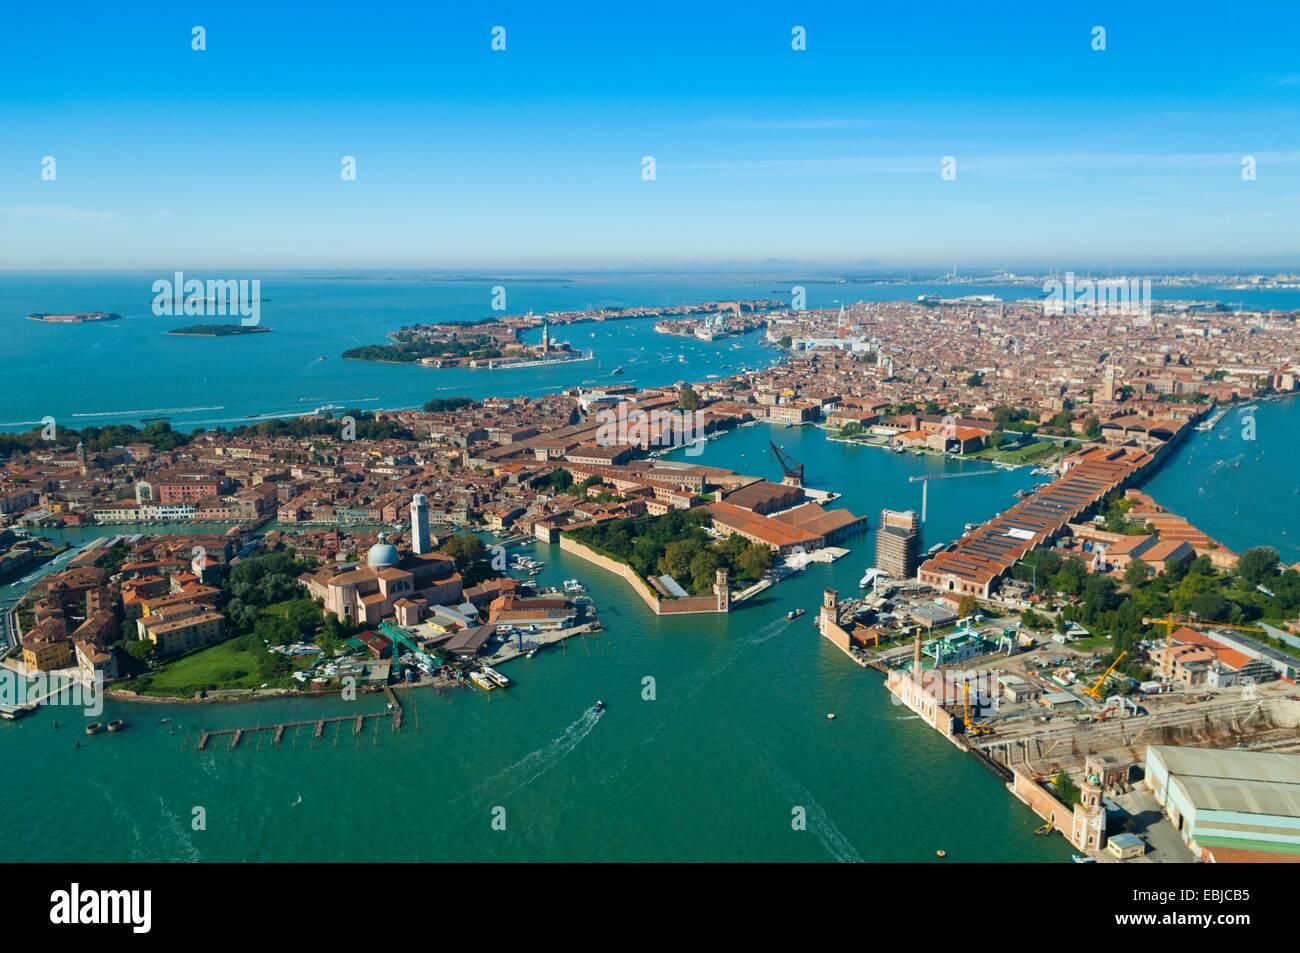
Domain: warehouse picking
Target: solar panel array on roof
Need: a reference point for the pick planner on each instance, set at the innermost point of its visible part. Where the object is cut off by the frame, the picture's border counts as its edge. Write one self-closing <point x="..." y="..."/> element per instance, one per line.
<point x="993" y="548"/>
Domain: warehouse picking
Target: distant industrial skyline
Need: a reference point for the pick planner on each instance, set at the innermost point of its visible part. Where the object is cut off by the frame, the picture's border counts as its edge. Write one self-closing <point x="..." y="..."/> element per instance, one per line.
<point x="1140" y="155"/>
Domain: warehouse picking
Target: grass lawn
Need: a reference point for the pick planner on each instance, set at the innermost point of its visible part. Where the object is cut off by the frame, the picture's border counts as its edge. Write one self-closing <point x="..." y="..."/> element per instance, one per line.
<point x="1094" y="643"/>
<point x="226" y="665"/>
<point x="1028" y="453"/>
<point x="304" y="605"/>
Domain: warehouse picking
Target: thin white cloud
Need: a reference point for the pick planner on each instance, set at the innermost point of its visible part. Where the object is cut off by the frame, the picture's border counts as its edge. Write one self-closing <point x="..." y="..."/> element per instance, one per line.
<point x="995" y="165"/>
<point x="54" y="213"/>
<point x="784" y="125"/>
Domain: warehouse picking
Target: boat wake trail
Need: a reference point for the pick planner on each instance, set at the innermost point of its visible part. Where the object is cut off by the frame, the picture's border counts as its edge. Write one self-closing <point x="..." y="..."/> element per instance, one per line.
<point x="830" y="836"/>
<point x="735" y="650"/>
<point x="149" y="410"/>
<point x="536" y="763"/>
<point x="168" y="839"/>
<point x="819" y="822"/>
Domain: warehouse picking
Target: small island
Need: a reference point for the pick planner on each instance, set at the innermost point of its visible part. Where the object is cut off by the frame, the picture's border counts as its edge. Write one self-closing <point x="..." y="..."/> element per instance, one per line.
<point x="491" y="346"/>
<point x="218" y="330"/>
<point x="81" y="317"/>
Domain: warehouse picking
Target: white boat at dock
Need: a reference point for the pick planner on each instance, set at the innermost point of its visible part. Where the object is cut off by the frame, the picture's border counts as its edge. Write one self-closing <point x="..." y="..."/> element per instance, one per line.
<point x="870" y="577"/>
<point x="526" y="564"/>
<point x="496" y="676"/>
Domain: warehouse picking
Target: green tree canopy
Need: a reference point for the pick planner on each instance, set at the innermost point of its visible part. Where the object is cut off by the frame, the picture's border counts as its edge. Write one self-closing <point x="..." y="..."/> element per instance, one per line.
<point x="466" y="549"/>
<point x="1258" y="565"/>
<point x="1067" y="792"/>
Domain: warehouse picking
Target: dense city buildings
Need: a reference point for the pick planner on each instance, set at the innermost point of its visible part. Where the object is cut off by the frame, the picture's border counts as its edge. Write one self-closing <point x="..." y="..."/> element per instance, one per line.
<point x="375" y="510"/>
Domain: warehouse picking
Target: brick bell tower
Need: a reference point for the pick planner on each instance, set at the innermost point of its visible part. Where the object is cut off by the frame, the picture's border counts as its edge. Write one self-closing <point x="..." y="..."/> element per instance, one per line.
<point x="831" y="606"/>
<point x="1088" y="825"/>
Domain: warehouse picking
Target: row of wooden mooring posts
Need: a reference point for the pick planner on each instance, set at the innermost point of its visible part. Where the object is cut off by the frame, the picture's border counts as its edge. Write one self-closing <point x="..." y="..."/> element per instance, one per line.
<point x="236" y="735"/>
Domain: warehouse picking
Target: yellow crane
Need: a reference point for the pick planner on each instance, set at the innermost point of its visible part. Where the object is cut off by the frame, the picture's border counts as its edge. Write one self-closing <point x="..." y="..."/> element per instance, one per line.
<point x="1095" y="690"/>
<point x="973" y="728"/>
<point x="868" y="632"/>
<point x="1167" y="665"/>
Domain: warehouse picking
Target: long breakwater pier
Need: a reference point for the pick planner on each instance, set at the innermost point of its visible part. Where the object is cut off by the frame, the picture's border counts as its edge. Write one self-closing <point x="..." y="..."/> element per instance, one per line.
<point x="358" y="722"/>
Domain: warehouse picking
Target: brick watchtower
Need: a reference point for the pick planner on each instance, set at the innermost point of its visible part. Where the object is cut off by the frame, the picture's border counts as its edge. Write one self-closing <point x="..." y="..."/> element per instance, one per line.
<point x="1088" y="825"/>
<point x="831" y="606"/>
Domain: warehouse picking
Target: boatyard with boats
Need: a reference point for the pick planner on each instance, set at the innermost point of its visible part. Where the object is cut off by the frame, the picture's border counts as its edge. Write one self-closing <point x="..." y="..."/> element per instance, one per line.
<point x="1028" y="691"/>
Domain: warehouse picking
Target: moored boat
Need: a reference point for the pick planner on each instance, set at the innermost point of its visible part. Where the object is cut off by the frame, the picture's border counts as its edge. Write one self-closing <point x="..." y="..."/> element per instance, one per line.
<point x="482" y="681"/>
<point x="870" y="577"/>
<point x="117" y="724"/>
<point x="496" y="677"/>
<point x="94" y="728"/>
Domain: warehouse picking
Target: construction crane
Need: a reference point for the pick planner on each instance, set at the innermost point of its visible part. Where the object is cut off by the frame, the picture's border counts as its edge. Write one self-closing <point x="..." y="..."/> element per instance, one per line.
<point x="925" y="482"/>
<point x="1095" y="691"/>
<point x="973" y="728"/>
<point x="400" y="638"/>
<point x="791" y="469"/>
<point x="1167" y="665"/>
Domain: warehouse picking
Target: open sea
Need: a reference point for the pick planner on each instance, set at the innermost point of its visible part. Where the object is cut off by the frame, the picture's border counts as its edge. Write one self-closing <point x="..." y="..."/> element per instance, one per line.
<point x="123" y="371"/>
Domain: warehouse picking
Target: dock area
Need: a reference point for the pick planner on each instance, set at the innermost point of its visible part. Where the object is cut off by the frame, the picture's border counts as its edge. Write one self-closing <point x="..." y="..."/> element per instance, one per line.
<point x="317" y="725"/>
<point x="801" y="560"/>
<point x="539" y="640"/>
<point x="792" y="564"/>
<point x="750" y="592"/>
<point x="396" y="714"/>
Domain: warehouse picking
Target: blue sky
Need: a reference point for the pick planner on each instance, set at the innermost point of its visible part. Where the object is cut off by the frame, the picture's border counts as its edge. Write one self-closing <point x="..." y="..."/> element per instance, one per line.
<point x="468" y="158"/>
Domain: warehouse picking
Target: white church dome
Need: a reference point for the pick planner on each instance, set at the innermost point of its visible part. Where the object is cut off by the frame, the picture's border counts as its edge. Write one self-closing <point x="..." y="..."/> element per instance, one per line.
<point x="382" y="554"/>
